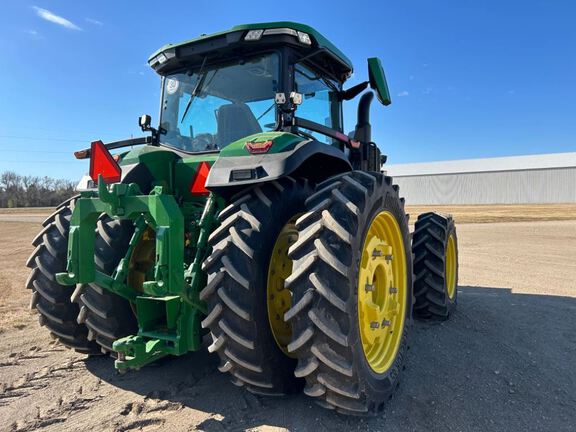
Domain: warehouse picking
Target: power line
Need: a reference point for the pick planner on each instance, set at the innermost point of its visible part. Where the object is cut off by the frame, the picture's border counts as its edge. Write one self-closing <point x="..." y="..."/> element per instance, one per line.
<point x="40" y="162"/>
<point x="32" y="138"/>
<point x="34" y="151"/>
<point x="83" y="131"/>
<point x="43" y="138"/>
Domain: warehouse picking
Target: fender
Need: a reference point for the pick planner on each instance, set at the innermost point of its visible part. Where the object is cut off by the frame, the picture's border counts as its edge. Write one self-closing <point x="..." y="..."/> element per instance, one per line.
<point x="289" y="155"/>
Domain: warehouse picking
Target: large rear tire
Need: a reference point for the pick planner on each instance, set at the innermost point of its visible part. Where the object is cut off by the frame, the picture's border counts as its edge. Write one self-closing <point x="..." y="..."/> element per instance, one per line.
<point x="435" y="247"/>
<point x="106" y="315"/>
<point x="352" y="292"/>
<point x="52" y="300"/>
<point x="247" y="331"/>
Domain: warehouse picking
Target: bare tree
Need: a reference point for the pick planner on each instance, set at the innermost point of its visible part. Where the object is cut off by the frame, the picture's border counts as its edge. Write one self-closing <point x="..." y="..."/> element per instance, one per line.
<point x="32" y="191"/>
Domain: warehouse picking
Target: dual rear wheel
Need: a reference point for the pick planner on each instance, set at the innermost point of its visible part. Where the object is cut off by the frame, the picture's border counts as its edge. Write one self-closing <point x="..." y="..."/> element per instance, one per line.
<point x="313" y="289"/>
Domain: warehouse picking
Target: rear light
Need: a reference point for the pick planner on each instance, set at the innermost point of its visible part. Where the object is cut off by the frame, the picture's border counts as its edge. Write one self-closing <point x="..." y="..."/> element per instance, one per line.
<point x="103" y="163"/>
<point x="255" y="147"/>
<point x="198" y="186"/>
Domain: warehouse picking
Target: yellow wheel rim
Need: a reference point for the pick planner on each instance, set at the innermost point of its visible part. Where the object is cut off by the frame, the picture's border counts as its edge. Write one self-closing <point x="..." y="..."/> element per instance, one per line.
<point x="450" y="267"/>
<point x="278" y="297"/>
<point x="382" y="292"/>
<point x="142" y="260"/>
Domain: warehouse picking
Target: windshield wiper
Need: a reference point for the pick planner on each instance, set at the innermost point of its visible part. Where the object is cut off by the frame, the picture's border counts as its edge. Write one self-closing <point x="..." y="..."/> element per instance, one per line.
<point x="267" y="111"/>
<point x="197" y="89"/>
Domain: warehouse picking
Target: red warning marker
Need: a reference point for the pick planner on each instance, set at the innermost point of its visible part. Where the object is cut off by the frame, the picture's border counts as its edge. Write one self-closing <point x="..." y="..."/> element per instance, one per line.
<point x="102" y="162"/>
<point x="198" y="186"/>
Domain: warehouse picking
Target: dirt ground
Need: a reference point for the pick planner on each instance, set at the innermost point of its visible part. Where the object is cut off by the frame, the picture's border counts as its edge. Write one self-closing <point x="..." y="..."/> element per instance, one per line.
<point x="505" y="362"/>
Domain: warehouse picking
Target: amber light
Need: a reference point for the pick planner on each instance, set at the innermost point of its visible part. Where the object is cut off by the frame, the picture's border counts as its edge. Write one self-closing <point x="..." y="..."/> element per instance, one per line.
<point x="103" y="163"/>
<point x="259" y="147"/>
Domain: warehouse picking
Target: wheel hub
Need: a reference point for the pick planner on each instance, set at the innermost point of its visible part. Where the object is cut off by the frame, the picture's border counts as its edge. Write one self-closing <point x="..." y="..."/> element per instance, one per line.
<point x="382" y="292"/>
<point x="450" y="267"/>
<point x="278" y="297"/>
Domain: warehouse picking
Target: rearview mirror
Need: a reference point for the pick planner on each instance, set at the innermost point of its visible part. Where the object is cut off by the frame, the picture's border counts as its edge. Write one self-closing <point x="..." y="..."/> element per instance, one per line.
<point x="378" y="80"/>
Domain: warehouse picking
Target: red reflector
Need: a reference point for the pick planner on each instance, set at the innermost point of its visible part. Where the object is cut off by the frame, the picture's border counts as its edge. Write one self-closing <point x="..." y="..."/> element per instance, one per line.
<point x="103" y="163"/>
<point x="198" y="186"/>
<point x="259" y="147"/>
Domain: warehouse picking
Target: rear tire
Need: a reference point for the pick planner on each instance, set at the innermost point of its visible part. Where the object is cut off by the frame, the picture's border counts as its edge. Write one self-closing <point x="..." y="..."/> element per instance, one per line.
<point x="49" y="298"/>
<point x="328" y="316"/>
<point x="435" y="266"/>
<point x="106" y="315"/>
<point x="236" y="291"/>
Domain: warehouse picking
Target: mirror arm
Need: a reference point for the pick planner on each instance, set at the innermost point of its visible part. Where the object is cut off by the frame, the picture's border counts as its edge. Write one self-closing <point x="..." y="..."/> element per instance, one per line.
<point x="354" y="91"/>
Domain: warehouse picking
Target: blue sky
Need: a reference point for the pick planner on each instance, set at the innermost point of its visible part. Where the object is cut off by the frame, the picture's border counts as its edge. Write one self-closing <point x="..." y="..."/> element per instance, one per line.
<point x="468" y="78"/>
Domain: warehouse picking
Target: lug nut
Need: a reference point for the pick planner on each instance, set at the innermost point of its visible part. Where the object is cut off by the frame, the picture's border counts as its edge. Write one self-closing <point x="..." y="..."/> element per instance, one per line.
<point x="369" y="287"/>
<point x="376" y="253"/>
<point x="385" y="323"/>
<point x="393" y="290"/>
<point x="374" y="325"/>
<point x="388" y="257"/>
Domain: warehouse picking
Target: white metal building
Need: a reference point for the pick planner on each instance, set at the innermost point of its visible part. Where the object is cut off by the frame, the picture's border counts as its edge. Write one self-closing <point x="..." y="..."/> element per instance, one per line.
<point x="535" y="179"/>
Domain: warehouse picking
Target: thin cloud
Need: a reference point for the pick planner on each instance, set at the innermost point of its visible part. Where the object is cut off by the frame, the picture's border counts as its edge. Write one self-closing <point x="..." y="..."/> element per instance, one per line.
<point x="33" y="34"/>
<point x="403" y="93"/>
<point x="94" y="21"/>
<point x="56" y="19"/>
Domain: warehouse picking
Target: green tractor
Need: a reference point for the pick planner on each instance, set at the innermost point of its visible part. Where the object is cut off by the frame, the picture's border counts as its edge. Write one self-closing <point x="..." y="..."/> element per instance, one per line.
<point x="247" y="219"/>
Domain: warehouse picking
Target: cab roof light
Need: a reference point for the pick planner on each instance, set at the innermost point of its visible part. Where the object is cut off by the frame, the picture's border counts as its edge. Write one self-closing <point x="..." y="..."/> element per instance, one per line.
<point x="255" y="35"/>
<point x="163" y="57"/>
<point x="304" y="38"/>
<point x="276" y="31"/>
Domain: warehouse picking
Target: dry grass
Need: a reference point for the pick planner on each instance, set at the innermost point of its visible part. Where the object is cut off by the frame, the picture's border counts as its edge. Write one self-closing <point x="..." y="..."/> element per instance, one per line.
<point x="500" y="212"/>
<point x="28" y="210"/>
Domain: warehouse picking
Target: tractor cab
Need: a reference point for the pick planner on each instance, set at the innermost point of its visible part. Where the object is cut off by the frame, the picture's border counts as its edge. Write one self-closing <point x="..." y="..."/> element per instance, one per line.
<point x="252" y="79"/>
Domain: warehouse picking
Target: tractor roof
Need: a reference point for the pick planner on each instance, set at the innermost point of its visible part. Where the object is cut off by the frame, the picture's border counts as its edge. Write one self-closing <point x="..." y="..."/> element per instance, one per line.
<point x="234" y="42"/>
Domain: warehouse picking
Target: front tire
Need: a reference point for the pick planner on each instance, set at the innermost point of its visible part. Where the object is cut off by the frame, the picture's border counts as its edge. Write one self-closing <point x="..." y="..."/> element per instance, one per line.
<point x="352" y="292"/>
<point x="435" y="247"/>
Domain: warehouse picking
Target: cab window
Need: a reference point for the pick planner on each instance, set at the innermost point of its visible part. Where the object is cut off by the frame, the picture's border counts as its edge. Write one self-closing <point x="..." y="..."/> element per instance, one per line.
<point x="319" y="101"/>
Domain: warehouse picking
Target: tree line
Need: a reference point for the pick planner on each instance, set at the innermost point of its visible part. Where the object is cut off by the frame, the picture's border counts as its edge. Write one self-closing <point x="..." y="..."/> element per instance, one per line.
<point x="32" y="191"/>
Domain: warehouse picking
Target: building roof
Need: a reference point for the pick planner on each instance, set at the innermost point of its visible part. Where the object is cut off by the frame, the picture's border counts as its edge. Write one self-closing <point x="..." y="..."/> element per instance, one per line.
<point x="511" y="163"/>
